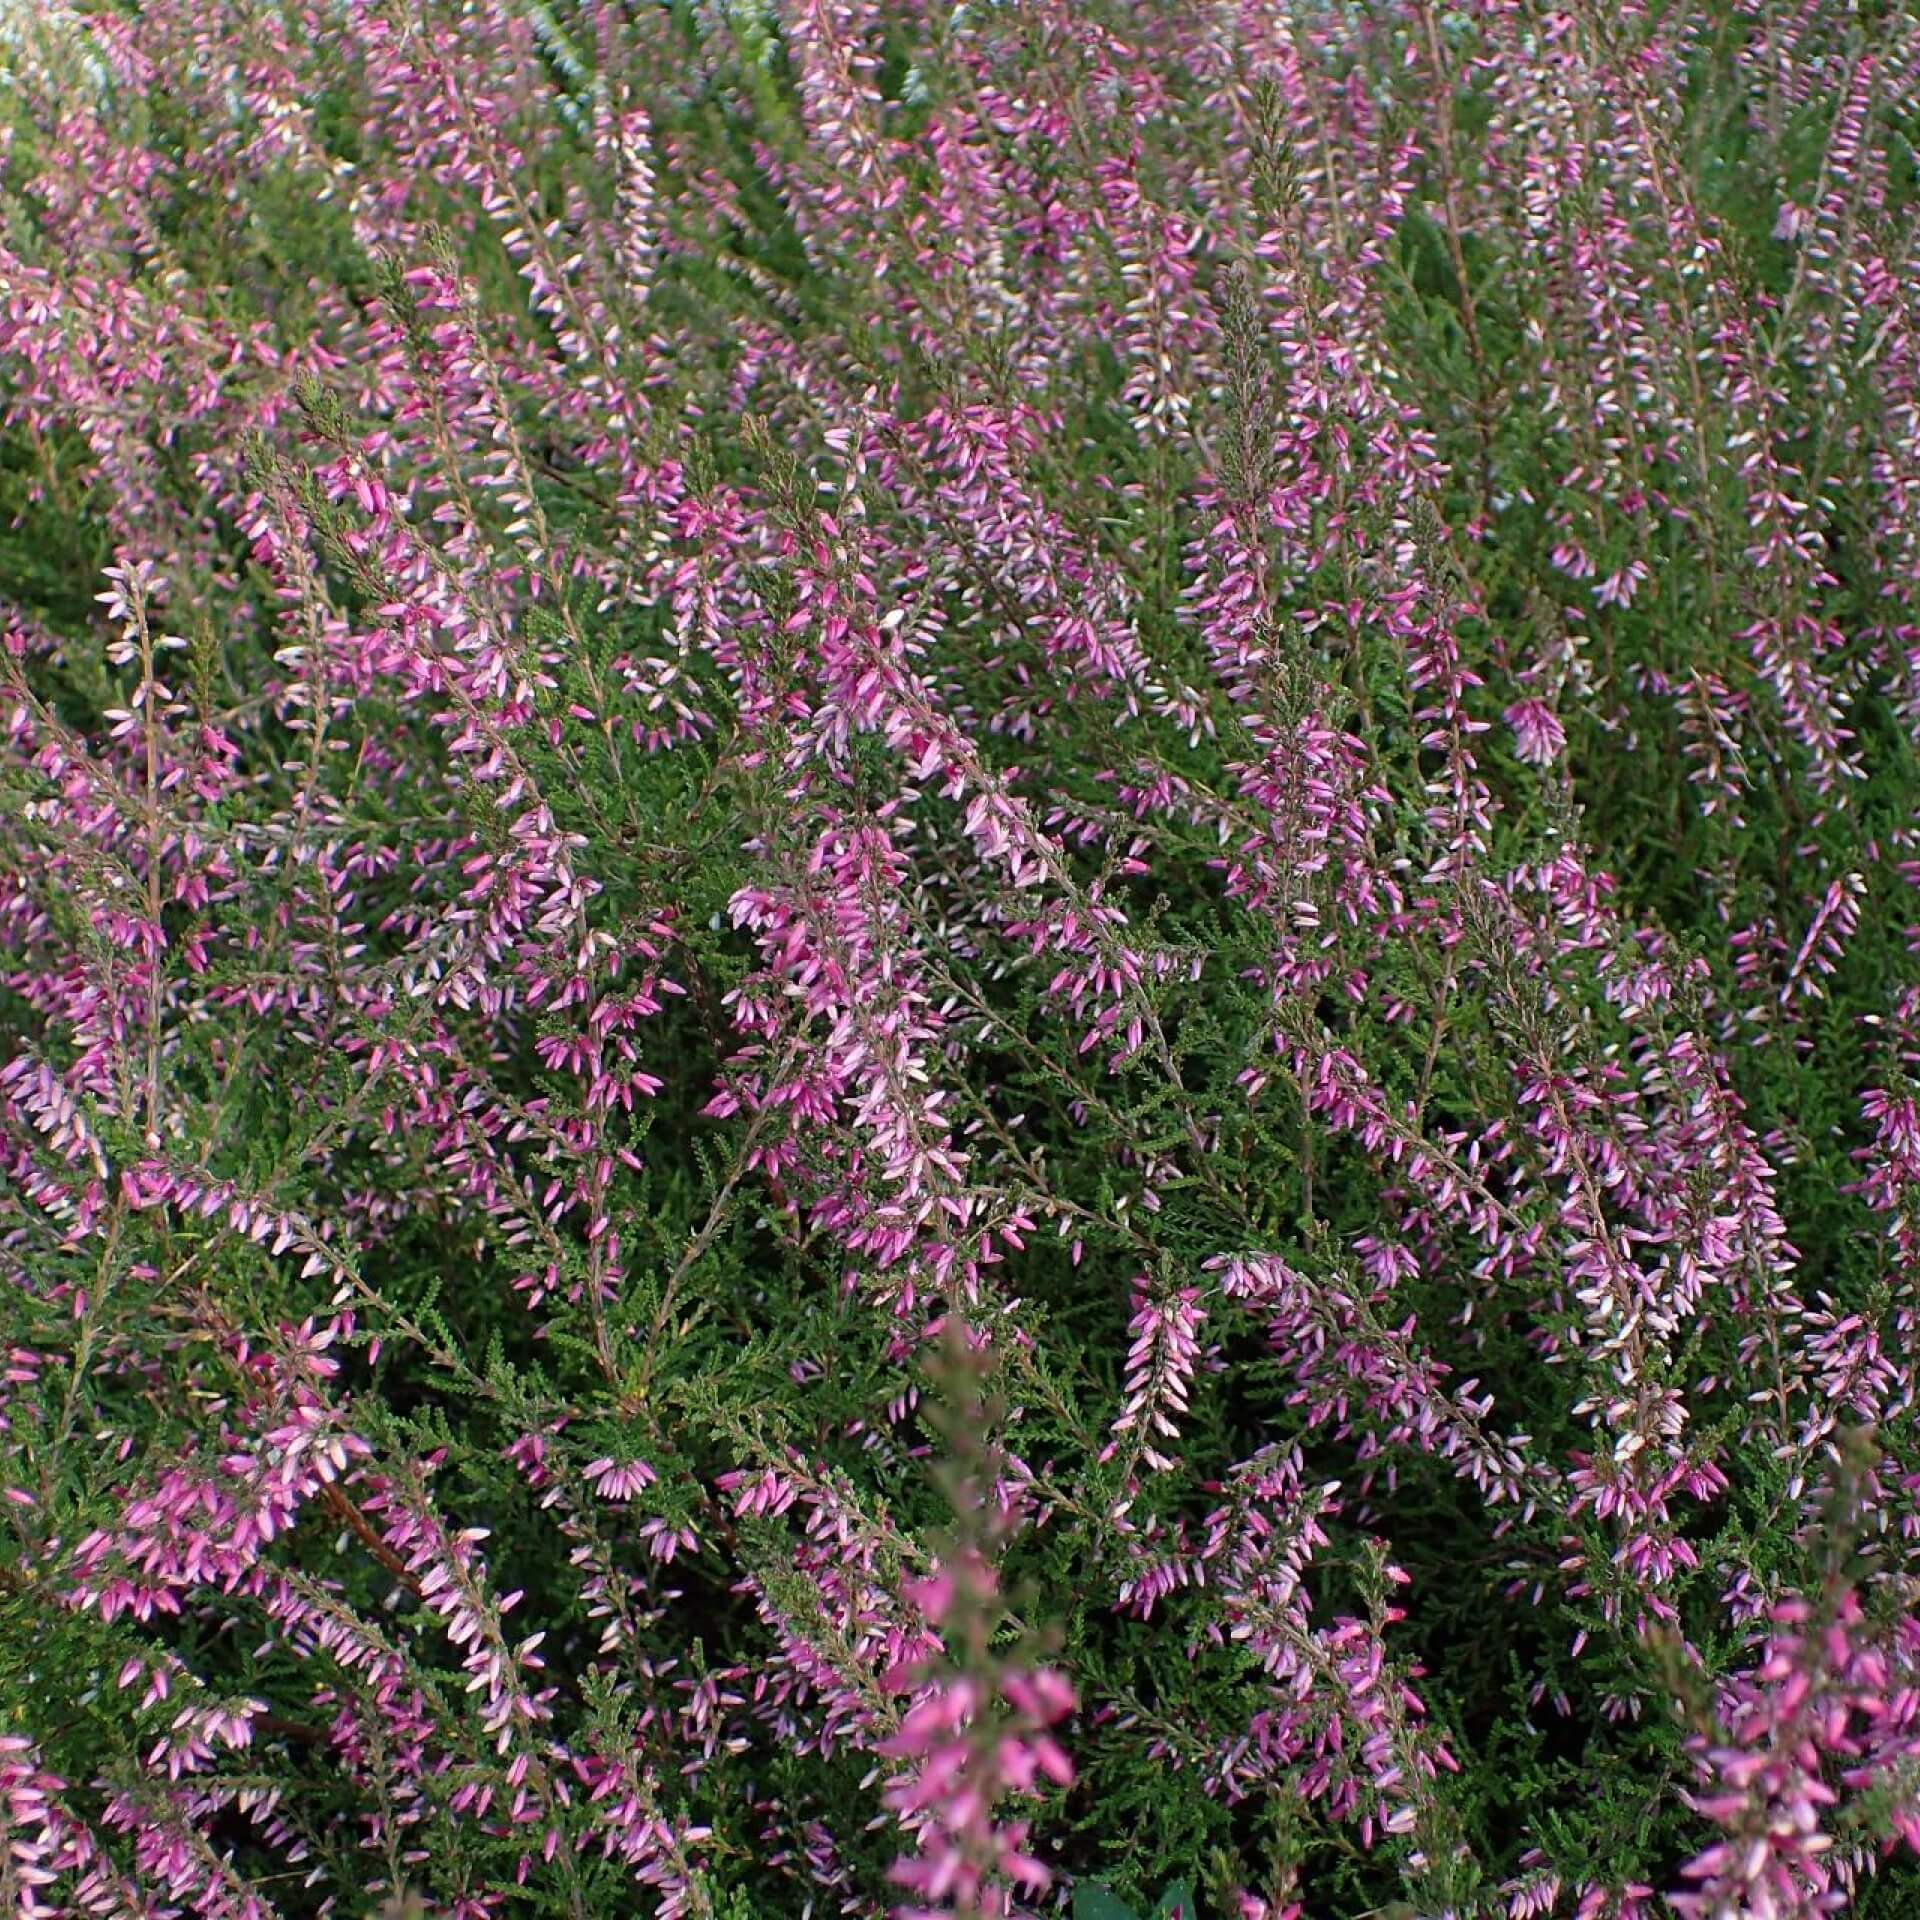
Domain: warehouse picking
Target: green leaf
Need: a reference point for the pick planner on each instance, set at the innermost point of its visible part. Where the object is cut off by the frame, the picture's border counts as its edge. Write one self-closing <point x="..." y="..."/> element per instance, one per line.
<point x="1176" y="1903"/>
<point x="1091" y="1901"/>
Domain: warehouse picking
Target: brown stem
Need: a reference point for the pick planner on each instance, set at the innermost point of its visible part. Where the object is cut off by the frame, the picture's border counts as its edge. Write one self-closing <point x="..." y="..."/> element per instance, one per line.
<point x="369" y="1537"/>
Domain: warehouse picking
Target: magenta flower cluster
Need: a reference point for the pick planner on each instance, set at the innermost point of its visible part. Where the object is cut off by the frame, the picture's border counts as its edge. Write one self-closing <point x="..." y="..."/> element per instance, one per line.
<point x="951" y="954"/>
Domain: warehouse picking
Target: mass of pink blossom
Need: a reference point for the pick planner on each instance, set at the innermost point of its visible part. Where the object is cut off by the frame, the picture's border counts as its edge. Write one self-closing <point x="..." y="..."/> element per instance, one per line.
<point x="955" y="957"/>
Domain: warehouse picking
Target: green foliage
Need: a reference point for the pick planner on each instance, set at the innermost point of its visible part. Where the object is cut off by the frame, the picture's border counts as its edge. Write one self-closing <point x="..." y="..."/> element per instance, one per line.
<point x="1093" y="1901"/>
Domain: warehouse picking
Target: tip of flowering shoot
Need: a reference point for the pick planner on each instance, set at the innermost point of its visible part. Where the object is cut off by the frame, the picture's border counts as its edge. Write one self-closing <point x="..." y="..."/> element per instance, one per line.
<point x="619" y="1480"/>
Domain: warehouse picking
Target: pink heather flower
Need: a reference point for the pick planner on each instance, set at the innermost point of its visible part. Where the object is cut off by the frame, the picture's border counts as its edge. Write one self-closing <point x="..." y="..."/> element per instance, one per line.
<point x="970" y="1746"/>
<point x="1160" y="1367"/>
<point x="1828" y="1711"/>
<point x="884" y="724"/>
<point x="1539" y="738"/>
<point x="1618" y="589"/>
<point x="619" y="1480"/>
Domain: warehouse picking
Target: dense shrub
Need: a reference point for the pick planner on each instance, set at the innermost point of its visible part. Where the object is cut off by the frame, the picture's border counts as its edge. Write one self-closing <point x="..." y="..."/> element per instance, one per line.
<point x="956" y="956"/>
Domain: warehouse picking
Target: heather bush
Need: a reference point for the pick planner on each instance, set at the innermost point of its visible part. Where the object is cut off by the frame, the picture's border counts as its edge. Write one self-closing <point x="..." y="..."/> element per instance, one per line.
<point x="960" y="959"/>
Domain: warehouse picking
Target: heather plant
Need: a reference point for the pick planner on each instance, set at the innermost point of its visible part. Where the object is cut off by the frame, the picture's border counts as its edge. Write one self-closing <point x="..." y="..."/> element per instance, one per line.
<point x="960" y="959"/>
